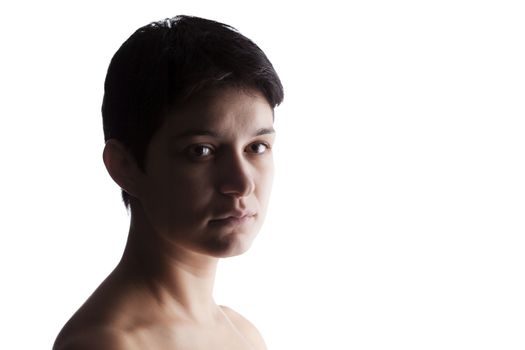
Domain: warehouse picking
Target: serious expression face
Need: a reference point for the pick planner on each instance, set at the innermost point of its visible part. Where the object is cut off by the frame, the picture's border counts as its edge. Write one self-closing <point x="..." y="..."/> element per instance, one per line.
<point x="209" y="172"/>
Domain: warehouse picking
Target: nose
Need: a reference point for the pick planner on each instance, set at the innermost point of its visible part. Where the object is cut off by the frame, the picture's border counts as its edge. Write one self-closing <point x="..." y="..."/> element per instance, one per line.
<point x="237" y="179"/>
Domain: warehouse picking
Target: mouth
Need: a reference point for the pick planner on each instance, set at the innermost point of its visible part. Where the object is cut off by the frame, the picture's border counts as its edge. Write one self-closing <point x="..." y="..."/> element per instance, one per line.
<point x="233" y="221"/>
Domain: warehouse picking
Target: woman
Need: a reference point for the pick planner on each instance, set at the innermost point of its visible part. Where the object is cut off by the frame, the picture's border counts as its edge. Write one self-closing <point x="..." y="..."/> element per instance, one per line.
<point x="188" y="123"/>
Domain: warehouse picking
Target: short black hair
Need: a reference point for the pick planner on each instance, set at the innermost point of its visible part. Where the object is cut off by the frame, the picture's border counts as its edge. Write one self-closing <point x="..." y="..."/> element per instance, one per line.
<point x="165" y="63"/>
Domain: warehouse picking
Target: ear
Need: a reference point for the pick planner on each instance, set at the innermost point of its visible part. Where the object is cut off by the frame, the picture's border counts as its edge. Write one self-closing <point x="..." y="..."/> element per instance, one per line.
<point x="121" y="166"/>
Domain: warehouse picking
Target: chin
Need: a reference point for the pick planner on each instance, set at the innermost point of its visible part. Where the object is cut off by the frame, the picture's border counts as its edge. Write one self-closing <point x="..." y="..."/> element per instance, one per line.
<point x="232" y="245"/>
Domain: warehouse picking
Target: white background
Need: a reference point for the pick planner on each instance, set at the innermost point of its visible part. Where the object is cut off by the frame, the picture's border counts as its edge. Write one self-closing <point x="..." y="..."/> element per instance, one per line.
<point x="397" y="215"/>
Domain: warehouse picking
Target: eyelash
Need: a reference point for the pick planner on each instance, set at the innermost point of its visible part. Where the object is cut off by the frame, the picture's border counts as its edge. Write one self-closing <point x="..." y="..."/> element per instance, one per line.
<point x="210" y="147"/>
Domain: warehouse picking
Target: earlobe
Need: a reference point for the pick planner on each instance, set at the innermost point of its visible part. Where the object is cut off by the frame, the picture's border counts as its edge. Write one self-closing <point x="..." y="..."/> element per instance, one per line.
<point x="121" y="166"/>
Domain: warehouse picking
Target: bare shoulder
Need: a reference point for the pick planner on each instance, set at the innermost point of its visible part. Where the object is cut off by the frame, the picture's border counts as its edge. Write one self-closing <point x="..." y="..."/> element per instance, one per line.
<point x="245" y="327"/>
<point x="96" y="338"/>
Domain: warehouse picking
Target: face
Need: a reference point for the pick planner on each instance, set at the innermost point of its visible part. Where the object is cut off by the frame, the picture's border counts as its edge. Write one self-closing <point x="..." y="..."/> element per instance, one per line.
<point x="209" y="172"/>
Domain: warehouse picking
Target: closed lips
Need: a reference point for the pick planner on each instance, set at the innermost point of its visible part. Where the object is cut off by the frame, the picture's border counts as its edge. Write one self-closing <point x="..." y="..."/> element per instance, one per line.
<point x="234" y="218"/>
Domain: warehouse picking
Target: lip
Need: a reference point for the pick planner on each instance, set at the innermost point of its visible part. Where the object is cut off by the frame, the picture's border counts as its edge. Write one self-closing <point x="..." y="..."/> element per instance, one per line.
<point x="238" y="214"/>
<point x="233" y="220"/>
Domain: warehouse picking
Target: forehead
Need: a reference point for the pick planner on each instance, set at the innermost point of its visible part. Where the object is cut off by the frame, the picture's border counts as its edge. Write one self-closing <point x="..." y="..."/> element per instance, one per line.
<point x="222" y="109"/>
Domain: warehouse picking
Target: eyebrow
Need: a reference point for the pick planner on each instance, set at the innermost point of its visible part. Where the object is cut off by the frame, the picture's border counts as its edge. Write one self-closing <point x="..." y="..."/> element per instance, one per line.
<point x="203" y="132"/>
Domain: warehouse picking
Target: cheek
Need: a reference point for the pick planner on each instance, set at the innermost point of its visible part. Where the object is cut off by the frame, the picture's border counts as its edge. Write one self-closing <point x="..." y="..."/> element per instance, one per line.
<point x="178" y="198"/>
<point x="265" y="185"/>
<point x="188" y="191"/>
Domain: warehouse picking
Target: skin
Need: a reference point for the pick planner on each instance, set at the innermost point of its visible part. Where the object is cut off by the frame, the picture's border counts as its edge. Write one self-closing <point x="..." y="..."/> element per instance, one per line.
<point x="160" y="294"/>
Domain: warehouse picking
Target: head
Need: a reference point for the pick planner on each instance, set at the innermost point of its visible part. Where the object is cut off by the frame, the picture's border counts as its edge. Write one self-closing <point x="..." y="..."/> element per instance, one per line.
<point x="178" y="75"/>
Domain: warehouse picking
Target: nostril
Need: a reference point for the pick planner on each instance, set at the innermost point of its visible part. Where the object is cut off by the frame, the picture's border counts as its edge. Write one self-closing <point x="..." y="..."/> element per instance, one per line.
<point x="237" y="187"/>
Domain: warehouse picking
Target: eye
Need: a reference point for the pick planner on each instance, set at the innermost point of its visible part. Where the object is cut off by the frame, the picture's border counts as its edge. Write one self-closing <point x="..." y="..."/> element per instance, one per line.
<point x="200" y="151"/>
<point x="259" y="147"/>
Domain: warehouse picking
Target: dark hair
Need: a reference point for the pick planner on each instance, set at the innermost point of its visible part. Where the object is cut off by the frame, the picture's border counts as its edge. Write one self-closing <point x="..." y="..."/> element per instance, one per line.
<point x="167" y="62"/>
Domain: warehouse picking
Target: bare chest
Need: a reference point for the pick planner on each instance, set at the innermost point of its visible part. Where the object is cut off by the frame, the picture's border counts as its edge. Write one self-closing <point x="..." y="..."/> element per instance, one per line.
<point x="164" y="338"/>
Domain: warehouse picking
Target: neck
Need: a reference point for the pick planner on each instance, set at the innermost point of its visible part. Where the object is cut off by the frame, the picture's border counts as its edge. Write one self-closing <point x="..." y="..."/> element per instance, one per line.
<point x="177" y="278"/>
